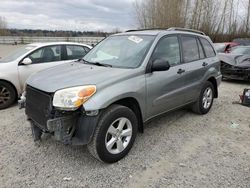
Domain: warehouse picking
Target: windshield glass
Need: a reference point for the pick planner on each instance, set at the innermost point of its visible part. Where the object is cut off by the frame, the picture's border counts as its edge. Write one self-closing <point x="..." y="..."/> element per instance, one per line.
<point x="14" y="55"/>
<point x="121" y="51"/>
<point x="241" y="50"/>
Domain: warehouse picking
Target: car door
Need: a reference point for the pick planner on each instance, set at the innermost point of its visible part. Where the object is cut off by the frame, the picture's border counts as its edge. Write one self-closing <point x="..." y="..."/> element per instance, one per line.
<point x="165" y="90"/>
<point x="42" y="58"/>
<point x="195" y="63"/>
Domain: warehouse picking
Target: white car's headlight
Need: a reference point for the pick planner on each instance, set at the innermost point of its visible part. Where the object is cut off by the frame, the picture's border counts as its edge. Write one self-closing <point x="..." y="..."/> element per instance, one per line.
<point x="73" y="98"/>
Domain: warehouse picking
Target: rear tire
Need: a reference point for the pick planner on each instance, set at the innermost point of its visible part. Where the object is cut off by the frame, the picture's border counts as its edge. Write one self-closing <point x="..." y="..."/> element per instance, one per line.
<point x="115" y="134"/>
<point x="7" y="95"/>
<point x="205" y="101"/>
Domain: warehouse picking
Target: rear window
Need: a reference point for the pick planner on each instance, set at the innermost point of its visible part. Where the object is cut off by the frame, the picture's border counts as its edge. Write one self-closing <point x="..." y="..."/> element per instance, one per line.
<point x="190" y="49"/>
<point x="209" y="50"/>
<point x="75" y="52"/>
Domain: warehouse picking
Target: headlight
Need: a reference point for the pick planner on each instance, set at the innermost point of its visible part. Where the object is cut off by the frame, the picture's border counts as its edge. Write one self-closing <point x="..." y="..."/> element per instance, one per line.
<point x="73" y="98"/>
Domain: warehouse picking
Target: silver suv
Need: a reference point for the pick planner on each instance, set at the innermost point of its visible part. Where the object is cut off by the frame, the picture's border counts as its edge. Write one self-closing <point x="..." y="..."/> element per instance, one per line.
<point x="104" y="99"/>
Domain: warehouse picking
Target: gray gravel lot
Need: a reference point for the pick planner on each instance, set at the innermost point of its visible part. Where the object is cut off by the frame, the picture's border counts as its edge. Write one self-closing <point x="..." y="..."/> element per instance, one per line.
<point x="180" y="149"/>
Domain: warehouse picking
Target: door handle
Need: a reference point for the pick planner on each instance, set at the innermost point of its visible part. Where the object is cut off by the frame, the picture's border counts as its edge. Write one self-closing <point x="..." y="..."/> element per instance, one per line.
<point x="180" y="71"/>
<point x="205" y="64"/>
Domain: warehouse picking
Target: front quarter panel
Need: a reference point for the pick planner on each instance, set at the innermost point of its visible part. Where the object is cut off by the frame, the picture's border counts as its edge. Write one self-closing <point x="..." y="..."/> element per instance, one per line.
<point x="9" y="73"/>
<point x="133" y="87"/>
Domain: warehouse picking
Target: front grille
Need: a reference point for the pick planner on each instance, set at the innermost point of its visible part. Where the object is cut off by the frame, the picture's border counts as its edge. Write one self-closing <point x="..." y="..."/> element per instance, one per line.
<point x="38" y="106"/>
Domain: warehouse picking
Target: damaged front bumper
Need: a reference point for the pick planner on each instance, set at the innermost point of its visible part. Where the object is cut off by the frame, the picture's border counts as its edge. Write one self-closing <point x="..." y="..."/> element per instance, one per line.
<point x="69" y="127"/>
<point x="62" y="128"/>
<point x="236" y="73"/>
<point x="74" y="129"/>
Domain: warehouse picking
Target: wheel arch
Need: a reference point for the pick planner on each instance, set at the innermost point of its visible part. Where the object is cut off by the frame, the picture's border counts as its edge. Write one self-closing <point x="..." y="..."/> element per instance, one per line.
<point x="133" y="104"/>
<point x="214" y="82"/>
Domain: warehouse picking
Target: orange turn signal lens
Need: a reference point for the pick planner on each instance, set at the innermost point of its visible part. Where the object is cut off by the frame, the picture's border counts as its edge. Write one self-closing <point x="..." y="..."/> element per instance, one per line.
<point x="84" y="95"/>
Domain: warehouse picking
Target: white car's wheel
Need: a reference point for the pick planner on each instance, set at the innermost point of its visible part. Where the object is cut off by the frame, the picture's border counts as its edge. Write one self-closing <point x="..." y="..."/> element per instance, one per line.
<point x="7" y="95"/>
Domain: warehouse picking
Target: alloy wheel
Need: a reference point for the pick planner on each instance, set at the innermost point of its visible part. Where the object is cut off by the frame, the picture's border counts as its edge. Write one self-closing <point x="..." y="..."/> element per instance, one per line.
<point x="118" y="135"/>
<point x="207" y="98"/>
<point x="4" y="95"/>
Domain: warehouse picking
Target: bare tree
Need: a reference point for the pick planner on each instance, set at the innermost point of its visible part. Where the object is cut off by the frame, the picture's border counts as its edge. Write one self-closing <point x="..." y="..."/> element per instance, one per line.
<point x="216" y="18"/>
<point x="248" y="17"/>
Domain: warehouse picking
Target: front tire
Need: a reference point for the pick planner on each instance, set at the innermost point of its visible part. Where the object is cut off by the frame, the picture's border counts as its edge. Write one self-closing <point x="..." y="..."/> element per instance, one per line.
<point x="205" y="101"/>
<point x="7" y="95"/>
<point x="115" y="134"/>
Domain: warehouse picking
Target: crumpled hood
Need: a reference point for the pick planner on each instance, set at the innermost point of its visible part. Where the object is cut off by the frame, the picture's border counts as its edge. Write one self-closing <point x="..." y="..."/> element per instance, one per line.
<point x="235" y="59"/>
<point x="76" y="74"/>
<point x="228" y="58"/>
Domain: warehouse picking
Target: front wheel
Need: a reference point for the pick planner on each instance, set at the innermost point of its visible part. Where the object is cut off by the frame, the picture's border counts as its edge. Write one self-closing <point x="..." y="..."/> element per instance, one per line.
<point x="115" y="134"/>
<point x="205" y="101"/>
<point x="7" y="95"/>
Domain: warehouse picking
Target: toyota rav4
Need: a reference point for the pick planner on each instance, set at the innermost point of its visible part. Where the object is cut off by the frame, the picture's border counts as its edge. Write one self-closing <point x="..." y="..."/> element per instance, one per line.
<point x="104" y="99"/>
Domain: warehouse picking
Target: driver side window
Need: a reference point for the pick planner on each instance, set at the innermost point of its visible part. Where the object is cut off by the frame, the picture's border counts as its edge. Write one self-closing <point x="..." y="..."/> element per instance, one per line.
<point x="169" y="50"/>
<point x="46" y="54"/>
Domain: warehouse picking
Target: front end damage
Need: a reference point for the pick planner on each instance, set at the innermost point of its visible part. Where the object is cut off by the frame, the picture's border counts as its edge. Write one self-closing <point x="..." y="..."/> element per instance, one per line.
<point x="235" y="72"/>
<point x="74" y="127"/>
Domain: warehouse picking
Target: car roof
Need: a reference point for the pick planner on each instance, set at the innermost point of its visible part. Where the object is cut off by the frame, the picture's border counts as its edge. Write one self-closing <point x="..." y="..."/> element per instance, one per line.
<point x="42" y="44"/>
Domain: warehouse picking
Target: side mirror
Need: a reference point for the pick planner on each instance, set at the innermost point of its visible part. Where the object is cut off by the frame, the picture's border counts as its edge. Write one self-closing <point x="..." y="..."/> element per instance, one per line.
<point x="160" y="65"/>
<point x="27" y="61"/>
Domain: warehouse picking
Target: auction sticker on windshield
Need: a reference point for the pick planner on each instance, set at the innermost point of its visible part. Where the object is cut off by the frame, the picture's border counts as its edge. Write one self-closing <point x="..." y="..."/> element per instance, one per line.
<point x="135" y="39"/>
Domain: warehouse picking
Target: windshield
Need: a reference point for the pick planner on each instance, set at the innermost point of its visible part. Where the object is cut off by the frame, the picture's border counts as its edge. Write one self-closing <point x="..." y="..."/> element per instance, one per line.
<point x="241" y="50"/>
<point x="120" y="51"/>
<point x="14" y="55"/>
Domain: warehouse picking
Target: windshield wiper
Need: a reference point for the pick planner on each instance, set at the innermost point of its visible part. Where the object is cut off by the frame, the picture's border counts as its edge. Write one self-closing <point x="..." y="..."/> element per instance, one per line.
<point x="101" y="64"/>
<point x="95" y="63"/>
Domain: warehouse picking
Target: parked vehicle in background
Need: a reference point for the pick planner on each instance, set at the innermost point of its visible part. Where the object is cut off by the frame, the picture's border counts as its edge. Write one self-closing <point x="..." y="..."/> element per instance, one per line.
<point x="236" y="65"/>
<point x="18" y="66"/>
<point x="225" y="47"/>
<point x="242" y="41"/>
<point x="123" y="82"/>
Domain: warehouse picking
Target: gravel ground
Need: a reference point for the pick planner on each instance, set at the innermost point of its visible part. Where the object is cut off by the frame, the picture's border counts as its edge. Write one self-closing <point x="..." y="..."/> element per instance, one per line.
<point x="179" y="149"/>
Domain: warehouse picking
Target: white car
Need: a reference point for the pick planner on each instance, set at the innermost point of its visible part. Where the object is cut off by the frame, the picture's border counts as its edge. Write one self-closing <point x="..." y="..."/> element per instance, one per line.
<point x="18" y="66"/>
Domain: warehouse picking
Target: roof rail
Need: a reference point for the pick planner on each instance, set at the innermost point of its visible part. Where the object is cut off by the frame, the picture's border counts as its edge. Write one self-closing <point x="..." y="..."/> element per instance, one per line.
<point x="188" y="30"/>
<point x="132" y="30"/>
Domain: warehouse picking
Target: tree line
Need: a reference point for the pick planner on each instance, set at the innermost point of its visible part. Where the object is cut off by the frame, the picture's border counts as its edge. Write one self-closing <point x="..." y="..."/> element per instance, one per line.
<point x="4" y="31"/>
<point x="221" y="20"/>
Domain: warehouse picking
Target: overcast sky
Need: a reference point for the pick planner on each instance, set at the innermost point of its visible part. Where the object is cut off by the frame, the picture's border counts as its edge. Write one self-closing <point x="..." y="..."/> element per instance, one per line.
<point x="80" y="15"/>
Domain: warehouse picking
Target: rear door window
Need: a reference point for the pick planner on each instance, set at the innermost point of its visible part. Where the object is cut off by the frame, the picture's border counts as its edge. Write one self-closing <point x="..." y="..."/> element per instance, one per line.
<point x="86" y="49"/>
<point x="75" y="52"/>
<point x="209" y="50"/>
<point x="190" y="49"/>
<point x="202" y="55"/>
